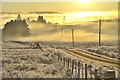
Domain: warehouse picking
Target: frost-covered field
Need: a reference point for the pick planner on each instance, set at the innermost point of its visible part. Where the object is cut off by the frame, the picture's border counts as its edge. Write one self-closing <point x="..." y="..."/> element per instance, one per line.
<point x="21" y="60"/>
<point x="109" y="49"/>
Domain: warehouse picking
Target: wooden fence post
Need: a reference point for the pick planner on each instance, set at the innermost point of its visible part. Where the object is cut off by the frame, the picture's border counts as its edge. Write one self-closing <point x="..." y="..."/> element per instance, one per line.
<point x="85" y="71"/>
<point x="75" y="69"/>
<point x="82" y="71"/>
<point x="73" y="65"/>
<point x="68" y="65"/>
<point x="78" y="70"/>
<point x="61" y="59"/>
<point x="64" y="61"/>
<point x="95" y="73"/>
<point x="58" y="57"/>
<point x="54" y="56"/>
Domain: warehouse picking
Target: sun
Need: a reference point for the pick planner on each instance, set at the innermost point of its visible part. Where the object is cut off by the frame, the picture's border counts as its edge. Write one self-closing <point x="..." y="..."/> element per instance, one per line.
<point x="84" y="0"/>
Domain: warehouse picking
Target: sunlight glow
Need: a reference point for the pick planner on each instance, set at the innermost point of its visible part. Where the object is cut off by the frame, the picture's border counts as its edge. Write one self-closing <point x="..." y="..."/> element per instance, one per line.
<point x="86" y="14"/>
<point x="84" y="0"/>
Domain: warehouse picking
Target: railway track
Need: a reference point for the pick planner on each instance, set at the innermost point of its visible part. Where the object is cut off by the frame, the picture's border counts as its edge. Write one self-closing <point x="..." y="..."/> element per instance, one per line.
<point x="79" y="53"/>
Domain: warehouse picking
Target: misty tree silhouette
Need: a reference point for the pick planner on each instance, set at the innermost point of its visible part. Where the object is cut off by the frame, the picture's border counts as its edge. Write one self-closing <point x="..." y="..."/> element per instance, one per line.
<point x="16" y="28"/>
<point x="41" y="19"/>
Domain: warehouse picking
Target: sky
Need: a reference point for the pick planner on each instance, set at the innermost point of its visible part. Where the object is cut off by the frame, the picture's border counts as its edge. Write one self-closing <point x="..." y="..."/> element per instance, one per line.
<point x="74" y="12"/>
<point x="58" y="6"/>
<point x="57" y="0"/>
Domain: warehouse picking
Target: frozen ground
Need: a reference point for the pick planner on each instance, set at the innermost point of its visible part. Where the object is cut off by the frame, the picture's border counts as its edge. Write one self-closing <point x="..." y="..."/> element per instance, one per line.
<point x="20" y="60"/>
<point x="109" y="49"/>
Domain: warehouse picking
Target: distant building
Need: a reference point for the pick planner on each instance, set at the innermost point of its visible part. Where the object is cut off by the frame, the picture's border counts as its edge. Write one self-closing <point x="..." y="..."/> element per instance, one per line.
<point x="40" y="19"/>
<point x="16" y="28"/>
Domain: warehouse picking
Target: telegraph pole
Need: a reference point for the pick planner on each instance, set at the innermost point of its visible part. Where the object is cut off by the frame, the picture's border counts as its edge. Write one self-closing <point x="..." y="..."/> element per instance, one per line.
<point x="73" y="37"/>
<point x="100" y="32"/>
<point x="64" y="20"/>
<point x="61" y="32"/>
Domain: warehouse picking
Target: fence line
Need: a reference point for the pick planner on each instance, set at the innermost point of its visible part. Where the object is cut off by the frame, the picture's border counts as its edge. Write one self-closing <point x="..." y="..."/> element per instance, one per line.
<point x="77" y="68"/>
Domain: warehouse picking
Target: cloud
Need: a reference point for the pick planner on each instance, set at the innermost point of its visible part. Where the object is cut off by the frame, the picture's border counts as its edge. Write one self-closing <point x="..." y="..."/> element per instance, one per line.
<point x="11" y="12"/>
<point x="91" y="27"/>
<point x="6" y="17"/>
<point x="45" y="12"/>
<point x="108" y="20"/>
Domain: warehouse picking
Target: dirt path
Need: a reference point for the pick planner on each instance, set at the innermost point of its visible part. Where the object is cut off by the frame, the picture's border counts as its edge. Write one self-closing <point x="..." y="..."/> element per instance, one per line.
<point x="97" y="60"/>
